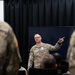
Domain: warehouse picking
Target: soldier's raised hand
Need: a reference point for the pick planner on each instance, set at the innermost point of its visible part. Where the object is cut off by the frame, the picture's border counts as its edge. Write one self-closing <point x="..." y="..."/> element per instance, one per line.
<point x="61" y="40"/>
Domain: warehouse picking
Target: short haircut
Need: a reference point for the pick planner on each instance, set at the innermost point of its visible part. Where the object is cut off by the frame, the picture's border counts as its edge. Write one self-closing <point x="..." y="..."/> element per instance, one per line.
<point x="48" y="61"/>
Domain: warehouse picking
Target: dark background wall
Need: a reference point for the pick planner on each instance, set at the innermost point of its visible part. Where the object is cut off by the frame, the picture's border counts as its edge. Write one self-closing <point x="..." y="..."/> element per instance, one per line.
<point x="21" y="14"/>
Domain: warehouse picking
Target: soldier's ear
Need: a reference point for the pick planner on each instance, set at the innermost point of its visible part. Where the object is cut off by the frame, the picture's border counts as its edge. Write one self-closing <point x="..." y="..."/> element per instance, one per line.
<point x="41" y="38"/>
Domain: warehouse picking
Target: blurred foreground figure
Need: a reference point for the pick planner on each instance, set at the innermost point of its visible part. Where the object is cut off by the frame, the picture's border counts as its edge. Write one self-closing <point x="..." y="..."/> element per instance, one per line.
<point x="71" y="54"/>
<point x="9" y="52"/>
<point x="48" y="61"/>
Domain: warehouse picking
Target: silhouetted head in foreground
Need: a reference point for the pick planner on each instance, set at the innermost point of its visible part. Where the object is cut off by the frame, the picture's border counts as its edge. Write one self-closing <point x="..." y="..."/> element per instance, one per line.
<point x="58" y="58"/>
<point x="48" y="61"/>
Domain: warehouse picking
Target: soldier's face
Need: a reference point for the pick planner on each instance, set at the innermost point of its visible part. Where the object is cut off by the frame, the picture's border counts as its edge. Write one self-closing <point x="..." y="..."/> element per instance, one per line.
<point x="37" y="38"/>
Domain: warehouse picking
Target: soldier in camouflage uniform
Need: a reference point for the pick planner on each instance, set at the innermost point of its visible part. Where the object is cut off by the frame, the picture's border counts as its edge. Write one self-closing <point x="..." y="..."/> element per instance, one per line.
<point x="40" y="49"/>
<point x="71" y="54"/>
<point x="9" y="52"/>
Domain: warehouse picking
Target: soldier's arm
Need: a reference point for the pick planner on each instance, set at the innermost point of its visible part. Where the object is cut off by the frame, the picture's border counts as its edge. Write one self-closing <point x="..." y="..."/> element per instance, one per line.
<point x="55" y="47"/>
<point x="31" y="59"/>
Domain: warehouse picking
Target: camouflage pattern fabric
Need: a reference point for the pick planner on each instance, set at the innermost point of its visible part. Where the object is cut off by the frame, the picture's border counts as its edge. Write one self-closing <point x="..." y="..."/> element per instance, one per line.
<point x="9" y="52"/>
<point x="71" y="54"/>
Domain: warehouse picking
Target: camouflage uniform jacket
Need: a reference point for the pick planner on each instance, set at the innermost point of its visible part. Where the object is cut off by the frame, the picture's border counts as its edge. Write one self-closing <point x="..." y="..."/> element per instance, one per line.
<point x="9" y="51"/>
<point x="71" y="56"/>
<point x="37" y="51"/>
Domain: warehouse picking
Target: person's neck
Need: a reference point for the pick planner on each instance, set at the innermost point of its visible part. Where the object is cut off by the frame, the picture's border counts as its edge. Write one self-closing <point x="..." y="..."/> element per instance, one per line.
<point x="39" y="43"/>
